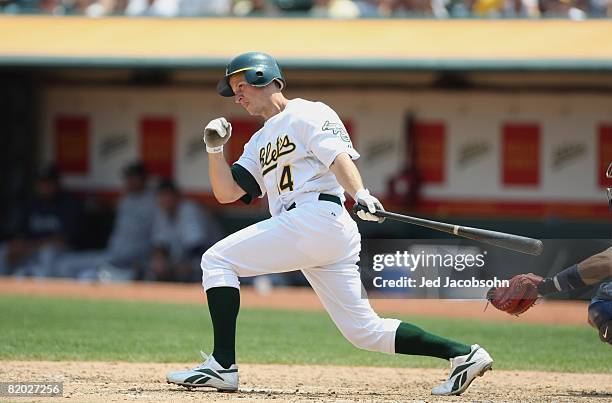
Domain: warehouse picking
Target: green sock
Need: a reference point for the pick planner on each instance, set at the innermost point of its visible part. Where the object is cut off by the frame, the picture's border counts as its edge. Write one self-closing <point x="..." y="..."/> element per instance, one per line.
<point x="410" y="339"/>
<point x="223" y="304"/>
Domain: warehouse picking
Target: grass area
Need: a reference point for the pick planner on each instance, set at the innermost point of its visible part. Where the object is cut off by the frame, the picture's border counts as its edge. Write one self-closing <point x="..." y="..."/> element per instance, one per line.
<point x="34" y="328"/>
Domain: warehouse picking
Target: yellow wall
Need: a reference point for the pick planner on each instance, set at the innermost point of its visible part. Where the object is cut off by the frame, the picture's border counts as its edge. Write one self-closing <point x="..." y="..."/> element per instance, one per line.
<point x="38" y="36"/>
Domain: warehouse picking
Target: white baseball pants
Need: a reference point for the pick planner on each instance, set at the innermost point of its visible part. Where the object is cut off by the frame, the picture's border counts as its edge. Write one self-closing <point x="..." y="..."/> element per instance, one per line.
<point x="321" y="239"/>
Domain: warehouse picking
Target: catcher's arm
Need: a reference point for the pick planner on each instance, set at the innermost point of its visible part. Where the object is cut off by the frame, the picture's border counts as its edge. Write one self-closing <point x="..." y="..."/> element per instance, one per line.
<point x="525" y="289"/>
<point x="596" y="268"/>
<point x="590" y="271"/>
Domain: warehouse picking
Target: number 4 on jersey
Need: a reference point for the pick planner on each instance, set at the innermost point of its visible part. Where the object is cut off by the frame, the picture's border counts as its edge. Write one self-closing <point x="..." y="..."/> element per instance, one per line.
<point x="286" y="181"/>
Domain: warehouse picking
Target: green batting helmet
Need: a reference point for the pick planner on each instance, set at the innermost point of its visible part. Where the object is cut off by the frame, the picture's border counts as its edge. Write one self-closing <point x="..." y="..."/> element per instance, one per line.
<point x="260" y="69"/>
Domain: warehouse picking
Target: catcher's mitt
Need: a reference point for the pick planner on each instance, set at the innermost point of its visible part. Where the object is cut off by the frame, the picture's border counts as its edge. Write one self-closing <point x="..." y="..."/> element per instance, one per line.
<point x="519" y="296"/>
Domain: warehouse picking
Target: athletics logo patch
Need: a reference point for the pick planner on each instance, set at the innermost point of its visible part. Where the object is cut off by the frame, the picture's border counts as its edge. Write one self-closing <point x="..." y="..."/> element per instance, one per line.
<point x="269" y="154"/>
<point x="337" y="129"/>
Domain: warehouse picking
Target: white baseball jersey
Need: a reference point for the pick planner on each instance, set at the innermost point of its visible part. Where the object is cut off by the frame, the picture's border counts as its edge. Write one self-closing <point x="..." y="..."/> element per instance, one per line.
<point x="289" y="159"/>
<point x="291" y="154"/>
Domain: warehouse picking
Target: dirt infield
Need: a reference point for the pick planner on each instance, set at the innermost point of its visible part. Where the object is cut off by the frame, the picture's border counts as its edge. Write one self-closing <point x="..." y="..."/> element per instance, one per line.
<point x="110" y="382"/>
<point x="119" y="381"/>
<point x="551" y="312"/>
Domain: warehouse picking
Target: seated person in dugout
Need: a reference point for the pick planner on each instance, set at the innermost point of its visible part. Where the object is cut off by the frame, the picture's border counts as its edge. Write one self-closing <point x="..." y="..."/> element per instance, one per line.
<point x="128" y="250"/>
<point x="50" y="225"/>
<point x="181" y="231"/>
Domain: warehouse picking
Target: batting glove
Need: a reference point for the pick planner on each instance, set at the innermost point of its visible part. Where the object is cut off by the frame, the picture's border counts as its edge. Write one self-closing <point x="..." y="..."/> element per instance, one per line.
<point x="364" y="198"/>
<point x="216" y="133"/>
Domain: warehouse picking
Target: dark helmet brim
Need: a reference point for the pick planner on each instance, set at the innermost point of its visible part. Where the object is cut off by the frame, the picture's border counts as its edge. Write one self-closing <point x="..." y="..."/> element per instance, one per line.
<point x="224" y="89"/>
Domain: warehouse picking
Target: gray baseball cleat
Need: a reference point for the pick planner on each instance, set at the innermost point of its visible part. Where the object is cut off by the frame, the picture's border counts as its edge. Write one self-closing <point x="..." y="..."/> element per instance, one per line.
<point x="464" y="369"/>
<point x="208" y="374"/>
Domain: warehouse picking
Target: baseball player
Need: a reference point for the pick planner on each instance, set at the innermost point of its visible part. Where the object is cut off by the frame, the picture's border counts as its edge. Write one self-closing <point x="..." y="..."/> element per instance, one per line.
<point x="302" y="158"/>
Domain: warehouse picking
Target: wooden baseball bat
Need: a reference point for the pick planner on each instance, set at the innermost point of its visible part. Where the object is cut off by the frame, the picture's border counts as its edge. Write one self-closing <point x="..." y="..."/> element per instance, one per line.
<point x="503" y="240"/>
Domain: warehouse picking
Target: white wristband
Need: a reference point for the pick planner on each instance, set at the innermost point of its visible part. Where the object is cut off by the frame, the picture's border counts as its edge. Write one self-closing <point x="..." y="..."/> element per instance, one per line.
<point x="214" y="150"/>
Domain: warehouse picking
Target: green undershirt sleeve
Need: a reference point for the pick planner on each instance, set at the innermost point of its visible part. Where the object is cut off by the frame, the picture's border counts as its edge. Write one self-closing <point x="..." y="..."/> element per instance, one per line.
<point x="247" y="182"/>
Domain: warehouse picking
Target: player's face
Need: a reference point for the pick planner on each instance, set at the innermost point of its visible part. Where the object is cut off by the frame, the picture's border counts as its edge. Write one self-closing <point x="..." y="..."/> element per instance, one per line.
<point x="249" y="97"/>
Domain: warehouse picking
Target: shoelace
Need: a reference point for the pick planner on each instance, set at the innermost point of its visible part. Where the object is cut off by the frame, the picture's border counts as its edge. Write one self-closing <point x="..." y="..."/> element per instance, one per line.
<point x="205" y="357"/>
